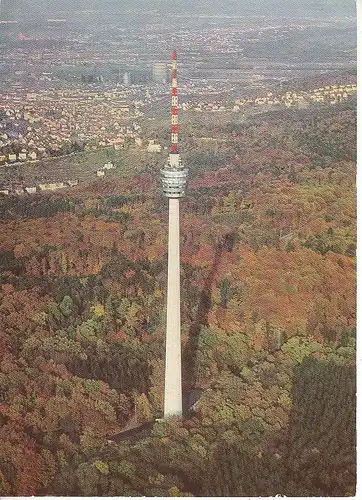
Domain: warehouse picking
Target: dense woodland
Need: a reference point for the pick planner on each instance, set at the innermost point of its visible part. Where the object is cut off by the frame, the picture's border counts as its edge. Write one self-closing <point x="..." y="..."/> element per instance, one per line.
<point x="268" y="321"/>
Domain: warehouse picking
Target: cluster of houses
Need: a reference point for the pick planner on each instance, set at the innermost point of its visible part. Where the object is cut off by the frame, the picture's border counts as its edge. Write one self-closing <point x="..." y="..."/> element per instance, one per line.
<point x="53" y="120"/>
<point x="333" y="94"/>
<point x="24" y="155"/>
<point x="329" y="94"/>
<point x="20" y="189"/>
<point x="204" y="106"/>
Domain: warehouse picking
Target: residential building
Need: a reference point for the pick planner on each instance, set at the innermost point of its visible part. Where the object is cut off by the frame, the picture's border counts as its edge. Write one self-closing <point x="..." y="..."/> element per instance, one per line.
<point x="153" y="147"/>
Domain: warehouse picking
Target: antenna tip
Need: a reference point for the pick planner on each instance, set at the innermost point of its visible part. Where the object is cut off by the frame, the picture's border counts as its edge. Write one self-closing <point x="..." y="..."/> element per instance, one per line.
<point x="174" y="57"/>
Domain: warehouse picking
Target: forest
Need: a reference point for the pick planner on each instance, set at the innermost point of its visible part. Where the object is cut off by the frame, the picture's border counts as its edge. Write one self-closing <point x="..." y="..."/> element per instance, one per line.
<point x="268" y="279"/>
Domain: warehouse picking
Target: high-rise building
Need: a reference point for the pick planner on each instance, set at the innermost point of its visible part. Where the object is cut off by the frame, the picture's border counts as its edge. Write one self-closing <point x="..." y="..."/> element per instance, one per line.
<point x="174" y="177"/>
<point x="127" y="78"/>
<point x="159" y="72"/>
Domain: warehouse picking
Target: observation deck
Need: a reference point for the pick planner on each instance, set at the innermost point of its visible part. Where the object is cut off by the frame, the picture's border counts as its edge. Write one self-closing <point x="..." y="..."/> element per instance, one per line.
<point x="174" y="177"/>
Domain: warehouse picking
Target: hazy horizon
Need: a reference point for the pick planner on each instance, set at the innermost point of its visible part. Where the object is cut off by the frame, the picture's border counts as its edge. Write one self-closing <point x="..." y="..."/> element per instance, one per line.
<point x="325" y="8"/>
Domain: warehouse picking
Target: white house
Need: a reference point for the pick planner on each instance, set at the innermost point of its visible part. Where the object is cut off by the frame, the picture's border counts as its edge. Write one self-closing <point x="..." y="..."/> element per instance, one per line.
<point x="72" y="183"/>
<point x="152" y="147"/>
<point x="108" y="166"/>
<point x="51" y="186"/>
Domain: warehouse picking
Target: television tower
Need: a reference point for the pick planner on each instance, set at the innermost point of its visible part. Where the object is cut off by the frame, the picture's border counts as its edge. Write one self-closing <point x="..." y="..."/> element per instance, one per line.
<point x="174" y="177"/>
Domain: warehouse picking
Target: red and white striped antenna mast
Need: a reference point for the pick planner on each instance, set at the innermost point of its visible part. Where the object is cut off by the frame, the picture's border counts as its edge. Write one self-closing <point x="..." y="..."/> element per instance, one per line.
<point x="174" y="105"/>
<point x="174" y="173"/>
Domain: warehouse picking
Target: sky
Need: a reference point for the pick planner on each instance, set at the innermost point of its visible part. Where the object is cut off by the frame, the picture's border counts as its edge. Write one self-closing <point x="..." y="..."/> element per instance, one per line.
<point x="248" y="7"/>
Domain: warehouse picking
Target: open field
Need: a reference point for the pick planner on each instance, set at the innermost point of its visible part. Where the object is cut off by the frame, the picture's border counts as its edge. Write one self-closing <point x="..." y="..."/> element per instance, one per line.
<point x="81" y="166"/>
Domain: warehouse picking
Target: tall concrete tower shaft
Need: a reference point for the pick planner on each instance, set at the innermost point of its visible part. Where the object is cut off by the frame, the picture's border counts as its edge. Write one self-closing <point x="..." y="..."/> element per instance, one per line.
<point x="173" y="384"/>
<point x="174" y="177"/>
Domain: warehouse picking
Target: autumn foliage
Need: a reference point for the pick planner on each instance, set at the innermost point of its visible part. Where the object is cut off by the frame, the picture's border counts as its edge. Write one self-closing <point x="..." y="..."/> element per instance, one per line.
<point x="268" y="314"/>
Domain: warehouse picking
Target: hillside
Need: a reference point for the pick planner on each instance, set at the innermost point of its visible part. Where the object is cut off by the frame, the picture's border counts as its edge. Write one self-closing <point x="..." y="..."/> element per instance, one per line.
<point x="268" y="313"/>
